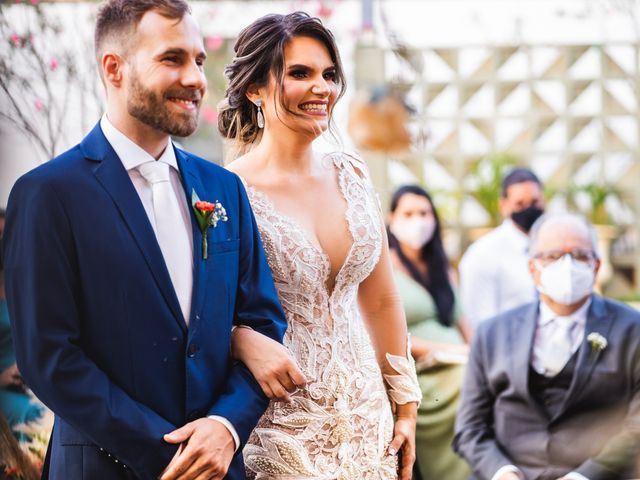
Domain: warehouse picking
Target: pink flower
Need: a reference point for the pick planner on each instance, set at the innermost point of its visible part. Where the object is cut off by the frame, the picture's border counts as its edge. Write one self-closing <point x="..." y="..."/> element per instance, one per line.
<point x="35" y="2"/>
<point x="210" y="115"/>
<point x="324" y="10"/>
<point x="39" y="105"/>
<point x="53" y="64"/>
<point x="214" y="42"/>
<point x="15" y="39"/>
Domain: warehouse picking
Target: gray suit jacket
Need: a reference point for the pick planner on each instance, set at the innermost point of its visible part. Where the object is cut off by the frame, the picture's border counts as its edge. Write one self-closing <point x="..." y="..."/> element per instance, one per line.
<point x="596" y="431"/>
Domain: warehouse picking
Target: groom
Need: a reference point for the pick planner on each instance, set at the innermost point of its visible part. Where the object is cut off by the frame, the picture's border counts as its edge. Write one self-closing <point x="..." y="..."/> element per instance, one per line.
<point x="122" y="312"/>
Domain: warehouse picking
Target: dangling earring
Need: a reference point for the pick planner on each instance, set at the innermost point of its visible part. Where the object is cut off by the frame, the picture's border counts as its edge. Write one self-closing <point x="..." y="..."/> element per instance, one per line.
<point x="260" y="116"/>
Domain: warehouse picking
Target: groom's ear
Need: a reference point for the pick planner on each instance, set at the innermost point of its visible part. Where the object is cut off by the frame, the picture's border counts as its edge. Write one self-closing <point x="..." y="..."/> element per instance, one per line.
<point x="112" y="66"/>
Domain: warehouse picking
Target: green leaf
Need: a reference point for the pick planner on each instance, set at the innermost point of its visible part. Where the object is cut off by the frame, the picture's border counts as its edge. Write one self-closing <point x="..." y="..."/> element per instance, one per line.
<point x="202" y="220"/>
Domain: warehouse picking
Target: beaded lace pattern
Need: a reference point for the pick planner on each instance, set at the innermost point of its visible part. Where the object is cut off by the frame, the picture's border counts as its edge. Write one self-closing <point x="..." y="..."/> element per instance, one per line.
<point x="340" y="425"/>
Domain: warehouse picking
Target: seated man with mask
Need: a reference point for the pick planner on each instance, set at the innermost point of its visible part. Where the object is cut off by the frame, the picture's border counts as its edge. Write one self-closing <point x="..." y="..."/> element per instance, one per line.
<point x="493" y="271"/>
<point x="552" y="388"/>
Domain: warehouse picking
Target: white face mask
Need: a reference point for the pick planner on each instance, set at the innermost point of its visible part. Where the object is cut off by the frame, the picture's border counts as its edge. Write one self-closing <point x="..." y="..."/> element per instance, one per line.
<point x="415" y="232"/>
<point x="566" y="281"/>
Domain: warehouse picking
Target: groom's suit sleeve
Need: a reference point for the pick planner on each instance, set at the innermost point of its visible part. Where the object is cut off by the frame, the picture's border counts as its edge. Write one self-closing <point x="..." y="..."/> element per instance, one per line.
<point x="257" y="305"/>
<point x="45" y="301"/>
<point x="474" y="436"/>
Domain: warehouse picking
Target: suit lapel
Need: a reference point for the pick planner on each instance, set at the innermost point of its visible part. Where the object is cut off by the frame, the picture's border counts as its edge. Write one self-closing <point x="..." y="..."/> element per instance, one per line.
<point x="114" y="178"/>
<point x="191" y="181"/>
<point x="522" y="331"/>
<point x="599" y="320"/>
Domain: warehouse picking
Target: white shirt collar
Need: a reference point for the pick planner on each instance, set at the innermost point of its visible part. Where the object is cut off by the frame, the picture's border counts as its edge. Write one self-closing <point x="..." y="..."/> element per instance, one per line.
<point x="130" y="153"/>
<point x="516" y="238"/>
<point x="579" y="316"/>
<point x="511" y="227"/>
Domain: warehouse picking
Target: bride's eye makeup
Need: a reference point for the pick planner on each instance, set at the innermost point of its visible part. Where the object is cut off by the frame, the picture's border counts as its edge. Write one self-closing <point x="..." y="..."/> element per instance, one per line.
<point x="330" y="75"/>
<point x="301" y="71"/>
<point x="298" y="71"/>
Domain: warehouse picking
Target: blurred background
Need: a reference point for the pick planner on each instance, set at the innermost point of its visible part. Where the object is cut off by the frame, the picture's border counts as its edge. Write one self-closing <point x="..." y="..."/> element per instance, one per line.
<point x="445" y="93"/>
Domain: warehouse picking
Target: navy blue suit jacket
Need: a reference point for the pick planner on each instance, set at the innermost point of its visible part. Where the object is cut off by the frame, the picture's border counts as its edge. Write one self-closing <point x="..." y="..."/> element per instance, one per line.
<point x="98" y="330"/>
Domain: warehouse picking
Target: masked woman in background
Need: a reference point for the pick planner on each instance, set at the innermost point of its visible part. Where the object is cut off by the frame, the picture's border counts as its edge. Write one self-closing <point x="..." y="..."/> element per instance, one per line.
<point x="423" y="278"/>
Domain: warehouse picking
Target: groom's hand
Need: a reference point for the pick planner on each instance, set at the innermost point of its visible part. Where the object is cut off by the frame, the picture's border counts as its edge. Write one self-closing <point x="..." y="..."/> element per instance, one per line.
<point x="206" y="451"/>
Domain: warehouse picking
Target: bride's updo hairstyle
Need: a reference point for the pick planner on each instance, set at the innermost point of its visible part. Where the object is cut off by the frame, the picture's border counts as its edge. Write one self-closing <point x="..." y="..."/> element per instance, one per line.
<point x="259" y="51"/>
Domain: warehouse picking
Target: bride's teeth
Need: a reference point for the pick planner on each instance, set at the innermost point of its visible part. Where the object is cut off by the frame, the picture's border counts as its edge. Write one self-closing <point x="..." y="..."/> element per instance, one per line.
<point x="315" y="107"/>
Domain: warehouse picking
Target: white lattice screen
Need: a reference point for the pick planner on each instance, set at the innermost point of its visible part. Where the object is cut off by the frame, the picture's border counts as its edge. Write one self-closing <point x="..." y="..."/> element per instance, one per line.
<point x="569" y="111"/>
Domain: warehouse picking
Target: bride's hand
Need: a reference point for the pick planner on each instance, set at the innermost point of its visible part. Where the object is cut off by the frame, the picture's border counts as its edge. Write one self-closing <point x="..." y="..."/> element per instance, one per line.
<point x="269" y="362"/>
<point x="404" y="440"/>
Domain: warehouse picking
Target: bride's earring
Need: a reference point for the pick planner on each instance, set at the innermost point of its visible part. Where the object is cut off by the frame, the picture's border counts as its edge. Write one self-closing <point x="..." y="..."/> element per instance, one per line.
<point x="260" y="115"/>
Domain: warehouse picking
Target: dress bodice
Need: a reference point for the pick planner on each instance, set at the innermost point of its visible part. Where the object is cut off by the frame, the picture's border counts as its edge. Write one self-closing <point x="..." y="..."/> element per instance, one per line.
<point x="296" y="260"/>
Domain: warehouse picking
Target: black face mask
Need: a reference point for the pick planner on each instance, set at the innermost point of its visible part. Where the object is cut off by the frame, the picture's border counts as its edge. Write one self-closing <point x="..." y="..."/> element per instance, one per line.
<point x="526" y="217"/>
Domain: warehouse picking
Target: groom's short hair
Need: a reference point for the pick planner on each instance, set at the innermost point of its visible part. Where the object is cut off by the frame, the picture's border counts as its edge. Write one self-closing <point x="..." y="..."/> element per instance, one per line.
<point x="118" y="19"/>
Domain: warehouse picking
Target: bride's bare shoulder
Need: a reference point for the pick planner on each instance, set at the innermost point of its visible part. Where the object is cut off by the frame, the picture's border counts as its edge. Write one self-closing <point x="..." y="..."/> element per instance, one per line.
<point x="239" y="166"/>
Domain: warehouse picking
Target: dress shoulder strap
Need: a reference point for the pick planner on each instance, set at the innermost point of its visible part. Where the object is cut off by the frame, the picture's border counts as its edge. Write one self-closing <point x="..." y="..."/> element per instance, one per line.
<point x="352" y="162"/>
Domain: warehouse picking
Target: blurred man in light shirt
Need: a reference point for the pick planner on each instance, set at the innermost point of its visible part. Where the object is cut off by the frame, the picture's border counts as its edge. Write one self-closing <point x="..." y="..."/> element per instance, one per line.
<point x="493" y="271"/>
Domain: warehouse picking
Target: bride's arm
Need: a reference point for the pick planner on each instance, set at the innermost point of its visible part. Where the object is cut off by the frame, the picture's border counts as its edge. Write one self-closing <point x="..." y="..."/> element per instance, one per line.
<point x="268" y="361"/>
<point x="383" y="314"/>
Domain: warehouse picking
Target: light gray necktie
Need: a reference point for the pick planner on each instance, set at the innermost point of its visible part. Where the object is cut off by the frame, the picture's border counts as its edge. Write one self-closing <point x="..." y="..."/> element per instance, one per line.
<point x="171" y="232"/>
<point x="558" y="347"/>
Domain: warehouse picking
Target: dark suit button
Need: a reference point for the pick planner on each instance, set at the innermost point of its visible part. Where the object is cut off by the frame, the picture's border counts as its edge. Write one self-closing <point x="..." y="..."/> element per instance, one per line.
<point x="193" y="348"/>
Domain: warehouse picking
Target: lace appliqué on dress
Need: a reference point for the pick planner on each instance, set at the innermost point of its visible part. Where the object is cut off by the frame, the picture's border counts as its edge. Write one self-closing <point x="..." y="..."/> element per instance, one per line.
<point x="403" y="387"/>
<point x="340" y="425"/>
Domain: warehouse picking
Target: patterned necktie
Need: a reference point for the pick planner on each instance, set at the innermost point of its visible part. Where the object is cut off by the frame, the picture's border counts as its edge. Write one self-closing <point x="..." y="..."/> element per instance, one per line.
<point x="170" y="231"/>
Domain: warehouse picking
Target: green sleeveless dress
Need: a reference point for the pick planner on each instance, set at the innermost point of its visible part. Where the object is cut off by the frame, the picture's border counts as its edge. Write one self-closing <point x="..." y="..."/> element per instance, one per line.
<point x="440" y="386"/>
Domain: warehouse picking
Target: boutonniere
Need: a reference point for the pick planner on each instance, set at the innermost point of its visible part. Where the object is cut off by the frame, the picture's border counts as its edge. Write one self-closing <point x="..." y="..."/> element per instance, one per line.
<point x="208" y="215"/>
<point x="598" y="342"/>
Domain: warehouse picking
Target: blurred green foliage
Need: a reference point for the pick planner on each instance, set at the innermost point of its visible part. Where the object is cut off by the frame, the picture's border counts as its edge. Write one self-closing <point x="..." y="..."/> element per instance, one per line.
<point x="486" y="174"/>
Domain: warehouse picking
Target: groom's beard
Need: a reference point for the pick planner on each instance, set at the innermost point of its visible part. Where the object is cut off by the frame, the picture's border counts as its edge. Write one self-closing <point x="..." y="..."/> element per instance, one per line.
<point x="151" y="109"/>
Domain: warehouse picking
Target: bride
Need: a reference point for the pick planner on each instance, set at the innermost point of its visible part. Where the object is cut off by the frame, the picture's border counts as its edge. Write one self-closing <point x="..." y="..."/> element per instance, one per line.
<point x="321" y="226"/>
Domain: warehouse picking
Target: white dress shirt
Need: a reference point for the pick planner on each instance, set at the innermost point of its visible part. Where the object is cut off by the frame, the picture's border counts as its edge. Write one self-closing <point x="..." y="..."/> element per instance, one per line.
<point x="544" y="329"/>
<point x="494" y="274"/>
<point x="132" y="156"/>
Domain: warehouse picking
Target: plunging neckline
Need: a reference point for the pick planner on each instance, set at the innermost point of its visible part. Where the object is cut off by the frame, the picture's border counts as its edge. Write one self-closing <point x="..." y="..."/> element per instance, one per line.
<point x="306" y="235"/>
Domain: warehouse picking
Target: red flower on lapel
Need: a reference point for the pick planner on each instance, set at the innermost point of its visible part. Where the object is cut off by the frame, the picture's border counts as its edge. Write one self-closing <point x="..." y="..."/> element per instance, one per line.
<point x="208" y="215"/>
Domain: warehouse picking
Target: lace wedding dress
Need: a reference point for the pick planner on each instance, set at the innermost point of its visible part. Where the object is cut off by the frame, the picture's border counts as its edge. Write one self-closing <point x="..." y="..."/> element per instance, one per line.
<point x="340" y="425"/>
